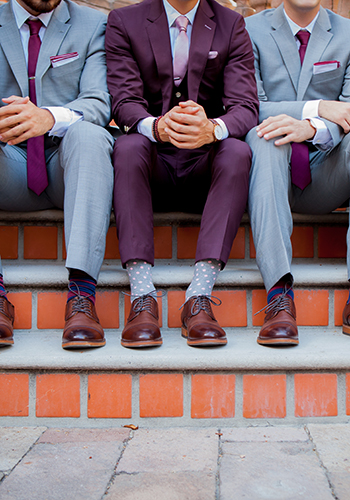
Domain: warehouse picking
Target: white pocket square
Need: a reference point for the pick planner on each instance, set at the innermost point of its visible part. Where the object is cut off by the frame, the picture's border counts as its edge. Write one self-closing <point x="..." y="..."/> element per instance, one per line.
<point x="63" y="59"/>
<point x="212" y="54"/>
<point x="325" y="66"/>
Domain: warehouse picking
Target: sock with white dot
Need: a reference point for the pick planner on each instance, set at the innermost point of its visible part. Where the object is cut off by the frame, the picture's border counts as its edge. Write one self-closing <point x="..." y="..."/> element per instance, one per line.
<point x="205" y="274"/>
<point x="140" y="277"/>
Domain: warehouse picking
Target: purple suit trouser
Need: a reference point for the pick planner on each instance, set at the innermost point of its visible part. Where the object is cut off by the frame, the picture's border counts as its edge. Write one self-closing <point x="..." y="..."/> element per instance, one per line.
<point x="212" y="180"/>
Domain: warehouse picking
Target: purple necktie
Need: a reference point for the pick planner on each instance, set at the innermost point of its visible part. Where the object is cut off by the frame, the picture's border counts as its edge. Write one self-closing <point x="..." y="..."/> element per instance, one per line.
<point x="36" y="164"/>
<point x="300" y="164"/>
<point x="180" y="50"/>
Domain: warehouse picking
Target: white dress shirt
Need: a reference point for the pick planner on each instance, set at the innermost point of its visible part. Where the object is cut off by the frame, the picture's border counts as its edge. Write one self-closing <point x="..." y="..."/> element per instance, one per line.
<point x="63" y="117"/>
<point x="144" y="126"/>
<point x="322" y="138"/>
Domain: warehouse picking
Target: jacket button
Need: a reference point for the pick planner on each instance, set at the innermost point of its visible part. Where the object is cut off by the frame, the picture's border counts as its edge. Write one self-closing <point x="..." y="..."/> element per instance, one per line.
<point x="178" y="95"/>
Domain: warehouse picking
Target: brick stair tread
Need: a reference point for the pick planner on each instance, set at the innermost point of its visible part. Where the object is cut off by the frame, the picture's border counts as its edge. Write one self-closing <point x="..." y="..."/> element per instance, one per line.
<point x="322" y="273"/>
<point x="55" y="215"/>
<point x="319" y="349"/>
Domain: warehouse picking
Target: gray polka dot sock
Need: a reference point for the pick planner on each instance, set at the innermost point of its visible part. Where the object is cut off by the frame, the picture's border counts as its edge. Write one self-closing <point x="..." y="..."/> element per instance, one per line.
<point x="140" y="277"/>
<point x="205" y="274"/>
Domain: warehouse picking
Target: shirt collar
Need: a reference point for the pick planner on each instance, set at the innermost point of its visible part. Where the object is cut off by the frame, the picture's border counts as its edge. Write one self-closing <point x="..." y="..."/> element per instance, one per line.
<point x="172" y="14"/>
<point x="21" y="15"/>
<point x="295" y="28"/>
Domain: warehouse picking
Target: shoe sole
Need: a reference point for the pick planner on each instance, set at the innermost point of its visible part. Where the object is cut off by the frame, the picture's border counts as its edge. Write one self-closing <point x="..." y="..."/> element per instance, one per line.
<point x="4" y="343"/>
<point x="194" y="343"/>
<point x="278" y="342"/>
<point x="346" y="330"/>
<point x="146" y="343"/>
<point x="82" y="345"/>
<point x="206" y="342"/>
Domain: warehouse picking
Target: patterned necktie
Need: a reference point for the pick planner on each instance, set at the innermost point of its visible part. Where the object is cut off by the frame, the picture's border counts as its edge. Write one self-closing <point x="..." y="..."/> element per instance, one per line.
<point x="36" y="164"/>
<point x="300" y="164"/>
<point x="181" y="50"/>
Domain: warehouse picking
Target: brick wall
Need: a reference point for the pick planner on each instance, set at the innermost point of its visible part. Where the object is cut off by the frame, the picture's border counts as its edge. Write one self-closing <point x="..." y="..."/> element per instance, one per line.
<point x="245" y="7"/>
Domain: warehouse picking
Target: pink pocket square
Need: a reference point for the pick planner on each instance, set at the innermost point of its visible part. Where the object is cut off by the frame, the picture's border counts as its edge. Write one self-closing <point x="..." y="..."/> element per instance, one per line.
<point x="212" y="54"/>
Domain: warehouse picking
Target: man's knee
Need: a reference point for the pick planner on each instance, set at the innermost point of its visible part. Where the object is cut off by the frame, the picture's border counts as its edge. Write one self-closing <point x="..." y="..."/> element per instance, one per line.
<point x="88" y="136"/>
<point x="233" y="158"/>
<point x="132" y="151"/>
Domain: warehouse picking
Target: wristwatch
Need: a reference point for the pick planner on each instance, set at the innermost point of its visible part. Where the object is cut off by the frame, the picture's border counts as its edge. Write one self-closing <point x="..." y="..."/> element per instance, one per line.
<point x="217" y="131"/>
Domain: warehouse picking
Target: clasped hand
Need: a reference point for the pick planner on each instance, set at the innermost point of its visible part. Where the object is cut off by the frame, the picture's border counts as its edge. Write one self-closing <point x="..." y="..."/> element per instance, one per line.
<point x="291" y="129"/>
<point x="20" y="120"/>
<point x="186" y="126"/>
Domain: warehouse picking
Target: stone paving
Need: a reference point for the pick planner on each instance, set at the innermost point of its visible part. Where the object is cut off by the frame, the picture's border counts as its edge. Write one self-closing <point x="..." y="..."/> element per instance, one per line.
<point x="250" y="463"/>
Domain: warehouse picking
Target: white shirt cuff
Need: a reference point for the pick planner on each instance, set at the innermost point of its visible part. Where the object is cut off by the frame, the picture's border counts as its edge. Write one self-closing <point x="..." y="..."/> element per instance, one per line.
<point x="310" y="109"/>
<point x="144" y="127"/>
<point x="223" y="127"/>
<point x="64" y="118"/>
<point x="322" y="138"/>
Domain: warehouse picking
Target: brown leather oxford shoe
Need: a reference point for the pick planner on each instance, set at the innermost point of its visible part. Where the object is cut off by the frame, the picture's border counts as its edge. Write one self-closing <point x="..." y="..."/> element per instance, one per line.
<point x="346" y="319"/>
<point x="280" y="327"/>
<point x="142" y="327"/>
<point x="7" y="316"/>
<point x="82" y="328"/>
<point x="199" y="325"/>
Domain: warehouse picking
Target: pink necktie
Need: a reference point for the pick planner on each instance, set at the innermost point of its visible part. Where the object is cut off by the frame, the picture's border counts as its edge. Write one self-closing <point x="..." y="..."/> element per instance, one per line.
<point x="181" y="50"/>
<point x="36" y="164"/>
<point x="300" y="164"/>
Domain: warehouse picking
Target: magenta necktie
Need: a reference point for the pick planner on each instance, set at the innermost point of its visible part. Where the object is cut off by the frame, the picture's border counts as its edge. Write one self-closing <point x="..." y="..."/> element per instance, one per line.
<point x="36" y="164"/>
<point x="300" y="164"/>
<point x="181" y="50"/>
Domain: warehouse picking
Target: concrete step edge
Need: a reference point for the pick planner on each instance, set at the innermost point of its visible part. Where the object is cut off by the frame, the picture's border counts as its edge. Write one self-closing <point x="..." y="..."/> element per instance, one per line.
<point x="242" y="274"/>
<point x="319" y="349"/>
<point x="177" y="218"/>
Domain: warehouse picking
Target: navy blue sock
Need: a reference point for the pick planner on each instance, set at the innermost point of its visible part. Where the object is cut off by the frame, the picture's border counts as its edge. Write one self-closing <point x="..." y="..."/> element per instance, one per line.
<point x="81" y="284"/>
<point x="280" y="287"/>
<point x="2" y="287"/>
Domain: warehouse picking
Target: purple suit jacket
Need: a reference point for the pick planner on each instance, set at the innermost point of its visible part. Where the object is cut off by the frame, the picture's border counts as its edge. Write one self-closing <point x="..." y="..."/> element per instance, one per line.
<point x="140" y="74"/>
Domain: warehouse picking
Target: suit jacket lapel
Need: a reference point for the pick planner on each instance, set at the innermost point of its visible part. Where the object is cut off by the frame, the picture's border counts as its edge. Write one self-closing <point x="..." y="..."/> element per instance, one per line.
<point x="158" y="32"/>
<point x="201" y="40"/>
<point x="319" y="40"/>
<point x="10" y="41"/>
<point x="56" y="31"/>
<point x="286" y="45"/>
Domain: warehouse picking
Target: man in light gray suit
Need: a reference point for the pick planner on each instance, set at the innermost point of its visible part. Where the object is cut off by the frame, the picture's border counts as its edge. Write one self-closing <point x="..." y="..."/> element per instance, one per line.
<point x="56" y="128"/>
<point x="300" y="152"/>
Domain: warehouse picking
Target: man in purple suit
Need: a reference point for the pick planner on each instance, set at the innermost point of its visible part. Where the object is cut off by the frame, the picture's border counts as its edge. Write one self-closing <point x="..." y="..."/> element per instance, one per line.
<point x="181" y="76"/>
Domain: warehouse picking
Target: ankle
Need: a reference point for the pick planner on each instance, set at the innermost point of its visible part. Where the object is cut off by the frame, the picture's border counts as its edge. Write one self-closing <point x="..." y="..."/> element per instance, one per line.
<point x="280" y="287"/>
<point x="81" y="285"/>
<point x="3" y="292"/>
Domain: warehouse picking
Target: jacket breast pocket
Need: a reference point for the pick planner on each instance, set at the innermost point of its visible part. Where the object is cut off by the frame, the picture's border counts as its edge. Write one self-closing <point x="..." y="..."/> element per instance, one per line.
<point x="328" y="77"/>
<point x="70" y="67"/>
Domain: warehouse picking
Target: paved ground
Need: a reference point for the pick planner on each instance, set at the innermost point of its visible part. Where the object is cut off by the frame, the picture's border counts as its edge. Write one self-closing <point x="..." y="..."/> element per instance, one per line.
<point x="255" y="463"/>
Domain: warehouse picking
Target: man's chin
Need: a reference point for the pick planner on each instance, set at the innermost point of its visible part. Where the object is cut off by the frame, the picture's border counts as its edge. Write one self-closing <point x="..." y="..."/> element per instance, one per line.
<point x="36" y="7"/>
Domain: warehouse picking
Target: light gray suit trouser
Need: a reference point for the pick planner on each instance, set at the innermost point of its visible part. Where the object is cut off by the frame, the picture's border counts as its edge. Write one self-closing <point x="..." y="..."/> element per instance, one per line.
<point x="272" y="198"/>
<point x="80" y="177"/>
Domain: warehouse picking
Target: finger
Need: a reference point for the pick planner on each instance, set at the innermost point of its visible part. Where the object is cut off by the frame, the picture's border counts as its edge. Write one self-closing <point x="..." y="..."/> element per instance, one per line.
<point x="15" y="99"/>
<point x="286" y="140"/>
<point x="181" y="138"/>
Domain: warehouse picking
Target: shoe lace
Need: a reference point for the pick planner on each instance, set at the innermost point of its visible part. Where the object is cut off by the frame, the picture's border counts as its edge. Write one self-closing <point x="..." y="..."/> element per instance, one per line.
<point x="202" y="303"/>
<point x="2" y="304"/>
<point x="279" y="303"/>
<point x="80" y="303"/>
<point x="145" y="302"/>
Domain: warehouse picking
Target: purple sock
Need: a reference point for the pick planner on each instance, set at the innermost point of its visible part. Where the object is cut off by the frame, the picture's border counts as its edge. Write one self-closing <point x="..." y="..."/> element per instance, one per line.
<point x="81" y="284"/>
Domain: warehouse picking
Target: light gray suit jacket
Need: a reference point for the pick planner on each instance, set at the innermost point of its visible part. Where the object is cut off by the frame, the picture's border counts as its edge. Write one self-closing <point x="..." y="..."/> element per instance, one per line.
<point x="79" y="85"/>
<point x="283" y="85"/>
